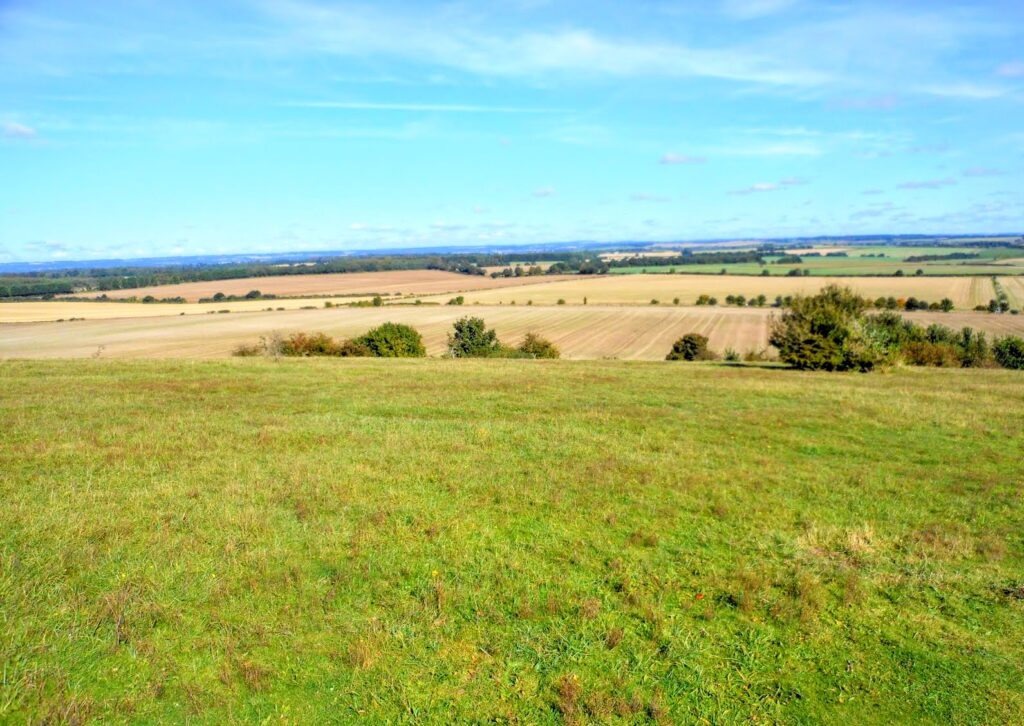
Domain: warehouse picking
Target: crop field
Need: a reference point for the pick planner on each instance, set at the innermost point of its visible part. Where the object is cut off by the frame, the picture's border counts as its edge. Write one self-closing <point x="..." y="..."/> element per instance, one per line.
<point x="591" y="332"/>
<point x="313" y="541"/>
<point x="863" y="261"/>
<point x="1014" y="287"/>
<point x="397" y="282"/>
<point x="966" y="292"/>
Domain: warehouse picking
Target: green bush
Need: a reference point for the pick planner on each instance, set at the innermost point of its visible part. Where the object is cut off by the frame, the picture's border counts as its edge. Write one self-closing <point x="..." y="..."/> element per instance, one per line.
<point x="692" y="346"/>
<point x="1009" y="352"/>
<point x="926" y="353"/>
<point x="309" y="344"/>
<point x="471" y="339"/>
<point x="391" y="340"/>
<point x="534" y="346"/>
<point x="827" y="332"/>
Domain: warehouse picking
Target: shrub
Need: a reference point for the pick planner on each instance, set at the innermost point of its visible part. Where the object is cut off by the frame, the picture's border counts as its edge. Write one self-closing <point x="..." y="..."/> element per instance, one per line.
<point x="354" y="349"/>
<point x="972" y="347"/>
<point x="246" y="350"/>
<point x="1009" y="352"/>
<point x="390" y="340"/>
<point x="471" y="339"/>
<point x="309" y="344"/>
<point x="926" y="353"/>
<point x="692" y="346"/>
<point x="378" y="301"/>
<point x="458" y="300"/>
<point x="731" y="355"/>
<point x="827" y="332"/>
<point x="534" y="346"/>
<point x="561" y="301"/>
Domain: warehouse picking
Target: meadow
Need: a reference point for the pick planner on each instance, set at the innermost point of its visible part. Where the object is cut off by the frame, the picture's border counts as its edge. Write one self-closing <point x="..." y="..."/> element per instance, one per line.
<point x="362" y="540"/>
<point x="629" y="332"/>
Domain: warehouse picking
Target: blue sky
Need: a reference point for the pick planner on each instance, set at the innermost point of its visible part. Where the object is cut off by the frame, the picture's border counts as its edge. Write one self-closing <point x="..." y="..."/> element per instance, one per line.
<point x="159" y="128"/>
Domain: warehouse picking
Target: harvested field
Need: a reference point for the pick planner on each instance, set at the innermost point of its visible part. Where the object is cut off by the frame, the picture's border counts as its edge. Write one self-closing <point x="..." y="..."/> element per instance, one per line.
<point x="1014" y="287"/>
<point x="966" y="292"/>
<point x="592" y="332"/>
<point x="399" y="282"/>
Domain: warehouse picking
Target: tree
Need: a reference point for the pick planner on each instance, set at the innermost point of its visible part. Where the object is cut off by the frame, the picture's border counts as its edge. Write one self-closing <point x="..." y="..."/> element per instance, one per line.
<point x="378" y="301"/>
<point x="1009" y="352"/>
<point x="692" y="346"/>
<point x="392" y="340"/>
<point x="826" y="332"/>
<point x="946" y="305"/>
<point x="253" y="295"/>
<point x="457" y="300"/>
<point x="471" y="339"/>
<point x="534" y="346"/>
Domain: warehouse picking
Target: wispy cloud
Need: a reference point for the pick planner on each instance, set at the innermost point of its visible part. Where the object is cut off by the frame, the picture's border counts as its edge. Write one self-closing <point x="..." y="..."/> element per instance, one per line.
<point x="791" y="181"/>
<point x="981" y="171"/>
<point x="928" y="183"/>
<point x="544" y="192"/>
<point x="415" y="107"/>
<point x="750" y="9"/>
<point x="1013" y="69"/>
<point x="965" y="90"/>
<point x="648" y="197"/>
<point x="12" y="130"/>
<point x="673" y="158"/>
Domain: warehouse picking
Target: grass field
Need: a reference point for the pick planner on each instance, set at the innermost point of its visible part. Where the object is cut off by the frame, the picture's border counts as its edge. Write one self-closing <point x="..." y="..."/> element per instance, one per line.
<point x="966" y="292"/>
<point x="990" y="261"/>
<point x="398" y="282"/>
<point x="638" y="332"/>
<point x="340" y="541"/>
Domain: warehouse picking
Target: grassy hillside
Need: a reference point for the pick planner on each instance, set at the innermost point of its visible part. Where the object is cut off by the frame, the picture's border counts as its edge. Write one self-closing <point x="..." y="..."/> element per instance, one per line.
<point x="462" y="540"/>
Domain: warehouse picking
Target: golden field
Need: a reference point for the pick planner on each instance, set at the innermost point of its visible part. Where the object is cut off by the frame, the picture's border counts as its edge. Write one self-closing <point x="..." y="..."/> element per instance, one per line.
<point x="591" y="332"/>
<point x="396" y="282"/>
<point x="966" y="292"/>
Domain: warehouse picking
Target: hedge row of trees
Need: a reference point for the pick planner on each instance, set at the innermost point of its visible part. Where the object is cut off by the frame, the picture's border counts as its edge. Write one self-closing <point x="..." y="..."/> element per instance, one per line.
<point x="470" y="338"/>
<point x="832" y="331"/>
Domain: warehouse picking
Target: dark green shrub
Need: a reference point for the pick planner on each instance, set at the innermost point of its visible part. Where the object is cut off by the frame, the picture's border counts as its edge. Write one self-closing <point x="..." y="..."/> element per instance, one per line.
<point x="471" y="339"/>
<point x="1009" y="352"/>
<point x="392" y="340"/>
<point x="458" y="300"/>
<point x="534" y="346"/>
<point x="827" y="332"/>
<point x="972" y="348"/>
<point x="692" y="346"/>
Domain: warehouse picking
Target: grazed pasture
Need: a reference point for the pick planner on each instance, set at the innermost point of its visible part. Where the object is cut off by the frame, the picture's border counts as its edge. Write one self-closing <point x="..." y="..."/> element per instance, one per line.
<point x="438" y="541"/>
<point x="627" y="332"/>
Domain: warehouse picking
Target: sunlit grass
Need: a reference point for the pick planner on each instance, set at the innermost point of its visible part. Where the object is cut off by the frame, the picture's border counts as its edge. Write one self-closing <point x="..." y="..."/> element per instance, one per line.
<point x="442" y="541"/>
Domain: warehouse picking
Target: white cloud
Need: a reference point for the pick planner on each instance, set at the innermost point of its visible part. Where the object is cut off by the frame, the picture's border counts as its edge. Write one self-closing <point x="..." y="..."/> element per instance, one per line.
<point x="928" y="183"/>
<point x="414" y="107"/>
<point x="965" y="90"/>
<point x="648" y="197"/>
<point x="12" y="130"/>
<point x="673" y="158"/>
<point x="544" y="192"/>
<point x="1013" y="69"/>
<point x="750" y="9"/>
<point x="790" y="181"/>
<point x="979" y="171"/>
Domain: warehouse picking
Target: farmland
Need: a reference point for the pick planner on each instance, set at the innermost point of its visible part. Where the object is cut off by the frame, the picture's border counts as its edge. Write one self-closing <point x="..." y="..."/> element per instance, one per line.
<point x="323" y="540"/>
<point x="863" y="260"/>
<point x="398" y="282"/>
<point x="627" y="332"/>
<point x="966" y="292"/>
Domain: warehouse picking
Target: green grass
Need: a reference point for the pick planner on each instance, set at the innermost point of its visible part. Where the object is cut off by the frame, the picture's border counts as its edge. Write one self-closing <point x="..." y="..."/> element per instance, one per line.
<point x="989" y="262"/>
<point x="442" y="541"/>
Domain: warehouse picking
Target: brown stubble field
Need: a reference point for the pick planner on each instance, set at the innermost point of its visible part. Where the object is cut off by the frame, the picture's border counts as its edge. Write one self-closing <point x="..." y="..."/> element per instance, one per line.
<point x="397" y="282"/>
<point x="966" y="292"/>
<point x="591" y="332"/>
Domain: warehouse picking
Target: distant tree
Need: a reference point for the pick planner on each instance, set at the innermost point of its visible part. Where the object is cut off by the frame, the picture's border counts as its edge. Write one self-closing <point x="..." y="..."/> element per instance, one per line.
<point x="561" y="301"/>
<point x="457" y="300"/>
<point x="470" y="338"/>
<point x="392" y="340"/>
<point x="253" y="295"/>
<point x="675" y="301"/>
<point x="377" y="301"/>
<point x="218" y="296"/>
<point x="692" y="346"/>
